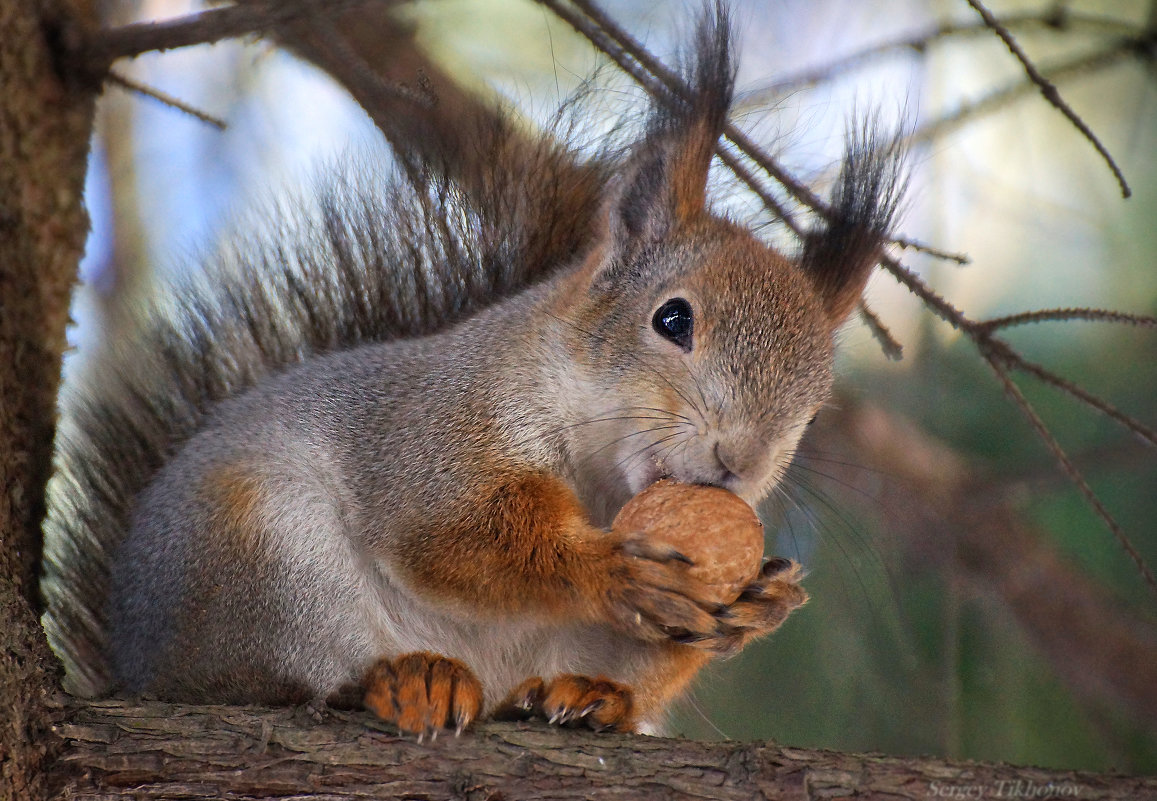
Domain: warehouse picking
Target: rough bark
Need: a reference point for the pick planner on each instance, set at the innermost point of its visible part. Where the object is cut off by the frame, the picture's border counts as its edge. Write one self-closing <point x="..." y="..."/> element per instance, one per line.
<point x="44" y="132"/>
<point x="120" y="750"/>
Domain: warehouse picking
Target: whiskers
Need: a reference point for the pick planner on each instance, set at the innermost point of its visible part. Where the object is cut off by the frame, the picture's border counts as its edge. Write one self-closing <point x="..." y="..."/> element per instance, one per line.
<point x="800" y="495"/>
<point x="658" y="434"/>
<point x="660" y="450"/>
<point x="659" y="431"/>
<point x="695" y="398"/>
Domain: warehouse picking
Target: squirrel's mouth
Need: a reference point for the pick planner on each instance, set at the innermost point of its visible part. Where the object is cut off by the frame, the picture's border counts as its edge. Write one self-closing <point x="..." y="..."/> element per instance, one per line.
<point x="647" y="474"/>
<point x="658" y="470"/>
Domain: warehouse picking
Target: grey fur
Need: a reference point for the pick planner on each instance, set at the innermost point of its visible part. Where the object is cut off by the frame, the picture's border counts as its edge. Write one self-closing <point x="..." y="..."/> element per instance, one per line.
<point x="394" y="256"/>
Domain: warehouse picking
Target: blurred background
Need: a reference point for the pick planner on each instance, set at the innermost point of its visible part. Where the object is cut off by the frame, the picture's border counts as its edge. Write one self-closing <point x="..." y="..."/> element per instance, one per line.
<point x="966" y="601"/>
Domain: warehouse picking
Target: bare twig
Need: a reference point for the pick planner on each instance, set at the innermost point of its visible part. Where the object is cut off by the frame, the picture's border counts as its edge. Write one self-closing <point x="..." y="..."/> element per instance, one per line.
<point x="604" y="28"/>
<point x="992" y="348"/>
<point x="205" y="27"/>
<point x="996" y="361"/>
<point x="999" y="98"/>
<point x="1057" y="18"/>
<point x="1064" y="315"/>
<point x="888" y="343"/>
<point x="998" y="354"/>
<point x="932" y="299"/>
<point x="945" y="255"/>
<point x="907" y="243"/>
<point x="770" y="202"/>
<point x="1115" y="455"/>
<point x="1049" y="90"/>
<point x="1018" y="362"/>
<point x="166" y="99"/>
<point x="662" y="82"/>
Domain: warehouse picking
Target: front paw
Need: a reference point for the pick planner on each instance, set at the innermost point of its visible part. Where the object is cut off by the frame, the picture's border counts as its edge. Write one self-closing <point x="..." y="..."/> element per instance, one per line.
<point x="422" y="693"/>
<point x="760" y="609"/>
<point x="572" y="700"/>
<point x="653" y="596"/>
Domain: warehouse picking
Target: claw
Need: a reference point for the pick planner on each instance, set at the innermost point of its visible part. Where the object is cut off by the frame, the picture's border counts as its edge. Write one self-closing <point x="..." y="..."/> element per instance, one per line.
<point x="599" y="703"/>
<point x="654" y="551"/>
<point x="774" y="566"/>
<point x="591" y="707"/>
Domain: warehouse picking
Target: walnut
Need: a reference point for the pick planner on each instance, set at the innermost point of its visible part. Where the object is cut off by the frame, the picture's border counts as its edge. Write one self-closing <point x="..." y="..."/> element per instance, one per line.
<point x="717" y="530"/>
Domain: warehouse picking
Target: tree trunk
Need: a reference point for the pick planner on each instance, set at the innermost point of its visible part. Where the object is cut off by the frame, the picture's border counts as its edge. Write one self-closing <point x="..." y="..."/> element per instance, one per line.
<point x="44" y="133"/>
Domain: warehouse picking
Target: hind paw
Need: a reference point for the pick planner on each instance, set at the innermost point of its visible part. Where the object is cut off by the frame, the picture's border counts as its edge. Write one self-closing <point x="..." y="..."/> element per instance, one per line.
<point x="570" y="700"/>
<point x="422" y="693"/>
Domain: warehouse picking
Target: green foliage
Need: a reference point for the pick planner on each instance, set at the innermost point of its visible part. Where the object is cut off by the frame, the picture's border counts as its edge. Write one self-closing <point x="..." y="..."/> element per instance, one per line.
<point x="891" y="655"/>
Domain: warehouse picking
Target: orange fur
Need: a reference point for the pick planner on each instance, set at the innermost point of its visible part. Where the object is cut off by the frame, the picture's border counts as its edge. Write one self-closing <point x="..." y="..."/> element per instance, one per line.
<point x="528" y="532"/>
<point x="666" y="678"/>
<point x="233" y="495"/>
<point x="598" y="703"/>
<point x="689" y="172"/>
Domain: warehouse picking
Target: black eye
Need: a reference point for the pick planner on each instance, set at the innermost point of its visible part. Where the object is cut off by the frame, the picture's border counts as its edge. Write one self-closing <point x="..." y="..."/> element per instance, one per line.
<point x="673" y="321"/>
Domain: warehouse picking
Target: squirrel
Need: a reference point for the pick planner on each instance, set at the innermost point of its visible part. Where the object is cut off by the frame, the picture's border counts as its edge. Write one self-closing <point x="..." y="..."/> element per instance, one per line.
<point x="381" y="442"/>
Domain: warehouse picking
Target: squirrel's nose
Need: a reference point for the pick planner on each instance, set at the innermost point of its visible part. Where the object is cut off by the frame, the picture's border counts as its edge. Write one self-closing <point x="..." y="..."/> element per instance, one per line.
<point x="728" y="463"/>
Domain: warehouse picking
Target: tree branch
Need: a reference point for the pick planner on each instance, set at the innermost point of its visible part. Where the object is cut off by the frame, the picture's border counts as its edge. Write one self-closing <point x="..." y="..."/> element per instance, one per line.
<point x="116" y="749"/>
<point x="1058" y="17"/>
<point x="104" y="47"/>
<point x="1049" y="90"/>
<point x="1085" y="64"/>
<point x="45" y="123"/>
<point x="165" y="99"/>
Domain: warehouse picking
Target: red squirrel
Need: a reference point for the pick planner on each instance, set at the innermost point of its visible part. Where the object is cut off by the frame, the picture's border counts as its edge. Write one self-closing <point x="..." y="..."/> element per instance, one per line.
<point x="382" y="442"/>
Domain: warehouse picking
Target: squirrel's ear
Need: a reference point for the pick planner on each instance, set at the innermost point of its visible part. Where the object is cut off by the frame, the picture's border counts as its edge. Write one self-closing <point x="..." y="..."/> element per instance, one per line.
<point x="841" y="253"/>
<point x="665" y="181"/>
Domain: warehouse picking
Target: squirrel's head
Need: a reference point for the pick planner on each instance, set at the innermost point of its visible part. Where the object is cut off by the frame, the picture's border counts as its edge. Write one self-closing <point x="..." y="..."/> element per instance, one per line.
<point x="704" y="352"/>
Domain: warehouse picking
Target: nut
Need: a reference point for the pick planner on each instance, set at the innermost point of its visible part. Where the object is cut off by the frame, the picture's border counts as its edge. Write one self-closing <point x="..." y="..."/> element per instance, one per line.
<point x="717" y="530"/>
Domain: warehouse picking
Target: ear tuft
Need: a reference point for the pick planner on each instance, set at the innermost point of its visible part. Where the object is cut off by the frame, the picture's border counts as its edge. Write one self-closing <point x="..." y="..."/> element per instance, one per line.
<point x="840" y="254"/>
<point x="692" y="125"/>
<point x="666" y="174"/>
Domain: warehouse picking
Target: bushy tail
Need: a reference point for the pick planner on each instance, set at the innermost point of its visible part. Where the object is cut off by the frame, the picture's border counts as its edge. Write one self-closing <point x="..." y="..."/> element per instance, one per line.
<point x="366" y="261"/>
